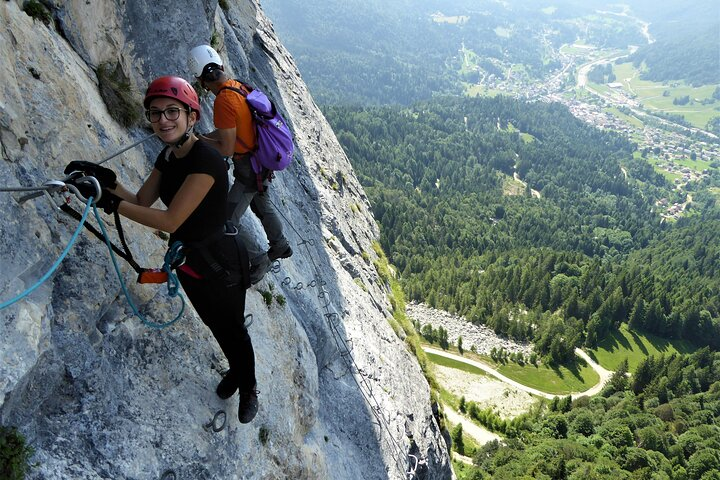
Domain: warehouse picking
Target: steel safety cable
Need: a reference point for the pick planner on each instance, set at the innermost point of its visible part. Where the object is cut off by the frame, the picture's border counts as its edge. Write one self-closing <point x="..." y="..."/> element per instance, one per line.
<point x="341" y="344"/>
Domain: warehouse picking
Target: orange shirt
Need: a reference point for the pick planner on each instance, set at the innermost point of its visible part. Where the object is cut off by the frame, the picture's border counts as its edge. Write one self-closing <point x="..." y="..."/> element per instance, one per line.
<point x="231" y="111"/>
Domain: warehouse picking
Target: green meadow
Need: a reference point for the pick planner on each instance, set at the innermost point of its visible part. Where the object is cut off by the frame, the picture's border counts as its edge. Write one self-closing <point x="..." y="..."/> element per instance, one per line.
<point x="658" y="96"/>
<point x="481" y="91"/>
<point x="654" y="161"/>
<point x="634" y="346"/>
<point x="559" y="380"/>
<point x="449" y="362"/>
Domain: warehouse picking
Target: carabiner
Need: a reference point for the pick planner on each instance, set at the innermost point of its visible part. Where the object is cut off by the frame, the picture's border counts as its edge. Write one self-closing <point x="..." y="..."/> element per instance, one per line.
<point x="93" y="182"/>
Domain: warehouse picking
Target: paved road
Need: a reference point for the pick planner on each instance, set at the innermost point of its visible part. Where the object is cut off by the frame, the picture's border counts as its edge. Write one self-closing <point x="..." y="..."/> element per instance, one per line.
<point x="604" y="374"/>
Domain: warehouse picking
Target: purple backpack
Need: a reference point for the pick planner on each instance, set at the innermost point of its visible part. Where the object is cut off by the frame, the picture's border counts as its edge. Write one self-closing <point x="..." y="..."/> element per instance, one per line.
<point x="274" y="145"/>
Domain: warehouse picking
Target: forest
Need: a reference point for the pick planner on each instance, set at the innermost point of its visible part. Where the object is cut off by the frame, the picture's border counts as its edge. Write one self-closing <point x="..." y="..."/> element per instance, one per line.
<point x="693" y="56"/>
<point x="661" y="423"/>
<point x="561" y="267"/>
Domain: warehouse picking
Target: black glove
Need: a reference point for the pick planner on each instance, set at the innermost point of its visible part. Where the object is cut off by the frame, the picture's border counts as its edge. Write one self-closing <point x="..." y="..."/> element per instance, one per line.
<point x="105" y="176"/>
<point x="108" y="201"/>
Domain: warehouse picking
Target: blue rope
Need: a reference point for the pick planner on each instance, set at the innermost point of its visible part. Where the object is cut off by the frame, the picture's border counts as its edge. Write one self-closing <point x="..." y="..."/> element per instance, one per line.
<point x="57" y="262"/>
<point x="172" y="290"/>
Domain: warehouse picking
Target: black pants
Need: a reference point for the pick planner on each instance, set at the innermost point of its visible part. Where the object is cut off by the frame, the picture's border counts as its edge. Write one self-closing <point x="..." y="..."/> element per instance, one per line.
<point x="222" y="309"/>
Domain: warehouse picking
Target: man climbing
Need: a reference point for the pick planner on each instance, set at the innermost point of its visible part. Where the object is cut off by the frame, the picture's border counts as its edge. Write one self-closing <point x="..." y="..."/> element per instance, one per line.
<point x="235" y="137"/>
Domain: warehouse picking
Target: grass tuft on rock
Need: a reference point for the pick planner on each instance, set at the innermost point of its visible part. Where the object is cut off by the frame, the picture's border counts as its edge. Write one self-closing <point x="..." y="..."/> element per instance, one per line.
<point x="14" y="454"/>
<point x="38" y="11"/>
<point x="121" y="99"/>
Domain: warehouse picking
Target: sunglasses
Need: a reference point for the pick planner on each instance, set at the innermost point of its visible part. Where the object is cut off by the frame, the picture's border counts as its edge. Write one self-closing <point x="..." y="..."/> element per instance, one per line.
<point x="172" y="113"/>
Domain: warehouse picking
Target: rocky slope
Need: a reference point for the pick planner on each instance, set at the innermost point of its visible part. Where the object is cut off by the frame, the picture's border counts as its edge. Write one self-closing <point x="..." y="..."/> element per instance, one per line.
<point x="100" y="395"/>
<point x="482" y="338"/>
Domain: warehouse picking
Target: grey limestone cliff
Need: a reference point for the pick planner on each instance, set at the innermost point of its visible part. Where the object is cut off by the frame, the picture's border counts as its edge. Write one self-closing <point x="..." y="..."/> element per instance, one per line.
<point x="101" y="396"/>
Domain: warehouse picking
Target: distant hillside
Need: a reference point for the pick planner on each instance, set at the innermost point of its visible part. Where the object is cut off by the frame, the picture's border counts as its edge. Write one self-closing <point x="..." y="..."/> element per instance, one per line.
<point x="399" y="52"/>
<point x="689" y="54"/>
<point x="687" y="40"/>
<point x="669" y="12"/>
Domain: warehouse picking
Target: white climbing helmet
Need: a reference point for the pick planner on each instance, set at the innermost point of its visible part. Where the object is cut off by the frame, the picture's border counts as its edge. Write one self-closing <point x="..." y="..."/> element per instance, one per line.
<point x="202" y="56"/>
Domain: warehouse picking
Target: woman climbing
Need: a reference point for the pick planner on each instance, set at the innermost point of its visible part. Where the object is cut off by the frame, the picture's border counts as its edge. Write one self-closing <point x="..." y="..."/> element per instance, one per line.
<point x="190" y="178"/>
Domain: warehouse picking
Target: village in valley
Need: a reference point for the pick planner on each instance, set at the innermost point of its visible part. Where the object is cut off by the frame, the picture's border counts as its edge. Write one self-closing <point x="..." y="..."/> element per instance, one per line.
<point x="683" y="154"/>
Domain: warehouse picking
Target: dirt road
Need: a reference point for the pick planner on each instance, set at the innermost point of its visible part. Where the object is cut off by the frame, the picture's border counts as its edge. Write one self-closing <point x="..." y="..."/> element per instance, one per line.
<point x="604" y="374"/>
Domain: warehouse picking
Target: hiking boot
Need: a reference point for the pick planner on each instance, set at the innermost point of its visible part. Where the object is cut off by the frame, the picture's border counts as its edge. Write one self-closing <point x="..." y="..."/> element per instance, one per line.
<point x="227" y="387"/>
<point x="258" y="270"/>
<point x="275" y="253"/>
<point x="248" y="406"/>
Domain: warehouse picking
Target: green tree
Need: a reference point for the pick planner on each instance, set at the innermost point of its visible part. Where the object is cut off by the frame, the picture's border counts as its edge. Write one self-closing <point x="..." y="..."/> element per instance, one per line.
<point x="442" y="337"/>
<point x="457" y="439"/>
<point x="650" y="438"/>
<point x="637" y="315"/>
<point x="702" y="462"/>
<point x="584" y="424"/>
<point x="428" y="333"/>
<point x="619" y="379"/>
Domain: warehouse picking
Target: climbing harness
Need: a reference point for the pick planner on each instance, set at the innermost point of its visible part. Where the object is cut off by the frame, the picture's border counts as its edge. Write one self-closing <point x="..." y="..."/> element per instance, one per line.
<point x="68" y="187"/>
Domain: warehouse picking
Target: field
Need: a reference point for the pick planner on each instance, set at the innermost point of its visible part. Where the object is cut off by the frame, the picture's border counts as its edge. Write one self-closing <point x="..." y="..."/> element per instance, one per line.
<point x="502" y="32"/>
<point x="470" y="60"/>
<point x="660" y="97"/>
<point x="654" y="161"/>
<point x="697" y="165"/>
<point x="482" y="91"/>
<point x="630" y="119"/>
<point x="449" y="362"/>
<point x="576" y="49"/>
<point x="634" y="346"/>
<point x="558" y="380"/>
<point x="526" y="137"/>
<point x="453" y="20"/>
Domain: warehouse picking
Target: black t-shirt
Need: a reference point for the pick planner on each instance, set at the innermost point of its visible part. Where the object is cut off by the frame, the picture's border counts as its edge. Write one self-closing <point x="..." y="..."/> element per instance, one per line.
<point x="209" y="217"/>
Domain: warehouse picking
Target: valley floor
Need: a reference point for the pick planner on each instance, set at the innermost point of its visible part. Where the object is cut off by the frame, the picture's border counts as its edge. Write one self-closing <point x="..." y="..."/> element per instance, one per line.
<point x="507" y="397"/>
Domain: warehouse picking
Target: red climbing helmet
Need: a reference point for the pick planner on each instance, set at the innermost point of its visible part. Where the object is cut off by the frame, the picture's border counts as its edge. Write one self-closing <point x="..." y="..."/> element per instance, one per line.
<point x="173" y="87"/>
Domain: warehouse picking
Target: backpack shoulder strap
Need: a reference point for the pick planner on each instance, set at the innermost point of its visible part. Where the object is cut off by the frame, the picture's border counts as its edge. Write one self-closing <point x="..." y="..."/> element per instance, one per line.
<point x="244" y="93"/>
<point x="244" y="90"/>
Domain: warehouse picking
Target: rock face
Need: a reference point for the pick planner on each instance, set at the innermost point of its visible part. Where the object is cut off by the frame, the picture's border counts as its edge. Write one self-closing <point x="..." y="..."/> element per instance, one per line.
<point x="484" y="339"/>
<point x="100" y="395"/>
